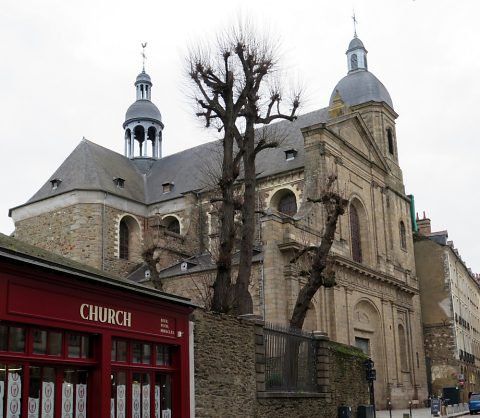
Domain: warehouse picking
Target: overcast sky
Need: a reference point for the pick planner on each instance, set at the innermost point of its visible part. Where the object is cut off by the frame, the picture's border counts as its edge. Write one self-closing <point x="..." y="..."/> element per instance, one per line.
<point x="67" y="70"/>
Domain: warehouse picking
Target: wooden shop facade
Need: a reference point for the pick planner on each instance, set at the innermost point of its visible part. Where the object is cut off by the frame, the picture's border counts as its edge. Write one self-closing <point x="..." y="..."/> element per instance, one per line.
<point x="78" y="343"/>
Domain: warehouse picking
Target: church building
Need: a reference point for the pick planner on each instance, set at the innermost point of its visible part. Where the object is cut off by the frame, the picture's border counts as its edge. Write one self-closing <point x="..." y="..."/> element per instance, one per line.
<point x="104" y="209"/>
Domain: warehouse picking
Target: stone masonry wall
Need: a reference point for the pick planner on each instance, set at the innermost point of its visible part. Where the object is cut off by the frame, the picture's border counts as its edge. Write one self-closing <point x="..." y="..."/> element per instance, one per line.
<point x="225" y="382"/>
<point x="230" y="382"/>
<point x="440" y="347"/>
<point x="72" y="232"/>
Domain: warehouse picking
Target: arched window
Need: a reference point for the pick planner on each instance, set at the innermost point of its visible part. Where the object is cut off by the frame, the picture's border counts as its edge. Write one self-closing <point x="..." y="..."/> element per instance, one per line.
<point x="288" y="204"/>
<point x="123" y="238"/>
<point x="402" y="348"/>
<point x="172" y="224"/>
<point x="391" y="148"/>
<point x="403" y="236"/>
<point x="354" y="61"/>
<point x="355" y="235"/>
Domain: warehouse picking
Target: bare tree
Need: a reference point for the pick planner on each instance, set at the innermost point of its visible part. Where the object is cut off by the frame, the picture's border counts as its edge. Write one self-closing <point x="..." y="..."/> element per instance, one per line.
<point x="233" y="94"/>
<point x="322" y="270"/>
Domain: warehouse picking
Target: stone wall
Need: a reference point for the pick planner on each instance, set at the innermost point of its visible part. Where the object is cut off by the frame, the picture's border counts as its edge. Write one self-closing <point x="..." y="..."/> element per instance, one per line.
<point x="230" y="382"/>
<point x="225" y="379"/>
<point x="72" y="232"/>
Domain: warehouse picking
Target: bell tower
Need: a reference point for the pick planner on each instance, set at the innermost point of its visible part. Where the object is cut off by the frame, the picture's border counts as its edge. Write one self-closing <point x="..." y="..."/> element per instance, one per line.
<point x="143" y="121"/>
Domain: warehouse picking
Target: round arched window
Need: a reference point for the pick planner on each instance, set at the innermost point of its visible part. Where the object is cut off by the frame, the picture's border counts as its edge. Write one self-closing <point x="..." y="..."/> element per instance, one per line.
<point x="172" y="224"/>
<point x="124" y="240"/>
<point x="288" y="204"/>
<point x="129" y="239"/>
<point x="355" y="234"/>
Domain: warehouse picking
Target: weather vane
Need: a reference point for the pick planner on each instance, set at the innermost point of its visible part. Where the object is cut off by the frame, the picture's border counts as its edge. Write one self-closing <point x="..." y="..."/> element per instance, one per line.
<point x="354" y="25"/>
<point x="143" y="55"/>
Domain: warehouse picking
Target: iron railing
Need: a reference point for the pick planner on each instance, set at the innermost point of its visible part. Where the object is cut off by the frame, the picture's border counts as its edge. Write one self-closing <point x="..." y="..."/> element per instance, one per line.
<point x="290" y="360"/>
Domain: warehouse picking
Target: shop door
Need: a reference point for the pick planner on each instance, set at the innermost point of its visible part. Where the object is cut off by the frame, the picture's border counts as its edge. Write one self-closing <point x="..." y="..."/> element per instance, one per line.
<point x="36" y="391"/>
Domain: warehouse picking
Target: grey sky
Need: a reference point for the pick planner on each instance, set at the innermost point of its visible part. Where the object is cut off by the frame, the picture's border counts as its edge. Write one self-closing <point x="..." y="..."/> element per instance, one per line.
<point x="67" y="71"/>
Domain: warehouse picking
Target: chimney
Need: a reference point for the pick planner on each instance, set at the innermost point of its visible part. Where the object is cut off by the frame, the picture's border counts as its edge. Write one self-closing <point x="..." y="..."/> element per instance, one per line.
<point x="424" y="226"/>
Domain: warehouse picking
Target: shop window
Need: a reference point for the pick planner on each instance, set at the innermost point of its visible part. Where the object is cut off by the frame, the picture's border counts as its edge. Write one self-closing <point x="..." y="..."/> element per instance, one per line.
<point x="39" y="342"/>
<point x="79" y="346"/>
<point x="16" y="339"/>
<point x="47" y="342"/>
<point x="119" y="350"/>
<point x="3" y="337"/>
<point x="11" y="383"/>
<point x="118" y="394"/>
<point x="163" y="357"/>
<point x="41" y="391"/>
<point x="141" y="390"/>
<point x="74" y="393"/>
<point x="141" y="353"/>
<point x="141" y="394"/>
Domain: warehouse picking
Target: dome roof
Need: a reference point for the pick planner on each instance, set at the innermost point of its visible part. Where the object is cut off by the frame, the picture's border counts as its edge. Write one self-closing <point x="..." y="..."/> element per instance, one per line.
<point x="143" y="109"/>
<point x="355" y="43"/>
<point x="361" y="87"/>
<point x="143" y="77"/>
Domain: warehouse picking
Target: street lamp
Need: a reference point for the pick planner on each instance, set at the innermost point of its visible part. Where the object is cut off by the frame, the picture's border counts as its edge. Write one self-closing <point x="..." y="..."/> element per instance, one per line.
<point x="371" y="375"/>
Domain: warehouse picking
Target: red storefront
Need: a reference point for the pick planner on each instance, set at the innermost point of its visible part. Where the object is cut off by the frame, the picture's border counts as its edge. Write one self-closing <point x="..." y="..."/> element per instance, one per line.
<point x="75" y="343"/>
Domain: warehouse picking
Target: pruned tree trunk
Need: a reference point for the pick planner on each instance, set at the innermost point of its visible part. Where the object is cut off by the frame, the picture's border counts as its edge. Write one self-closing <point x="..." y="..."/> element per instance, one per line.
<point x="242" y="295"/>
<point x="321" y="273"/>
<point x="231" y="92"/>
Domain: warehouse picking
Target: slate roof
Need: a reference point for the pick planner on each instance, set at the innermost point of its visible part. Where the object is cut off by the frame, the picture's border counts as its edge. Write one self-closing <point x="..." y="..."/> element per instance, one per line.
<point x="93" y="167"/>
<point x="361" y="87"/>
<point x="355" y="43"/>
<point x="195" y="264"/>
<point x="19" y="251"/>
<point x="142" y="109"/>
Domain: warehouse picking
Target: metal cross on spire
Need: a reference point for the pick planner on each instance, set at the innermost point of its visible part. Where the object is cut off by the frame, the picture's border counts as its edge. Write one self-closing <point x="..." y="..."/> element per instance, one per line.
<point x="354" y="24"/>
<point x="144" y="45"/>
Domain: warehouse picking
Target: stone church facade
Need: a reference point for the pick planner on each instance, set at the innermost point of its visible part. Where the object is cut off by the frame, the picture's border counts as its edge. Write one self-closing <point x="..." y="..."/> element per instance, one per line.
<point x="103" y="209"/>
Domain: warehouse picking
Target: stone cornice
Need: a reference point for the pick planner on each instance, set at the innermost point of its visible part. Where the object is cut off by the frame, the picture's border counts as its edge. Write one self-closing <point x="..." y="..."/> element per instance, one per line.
<point x="368" y="272"/>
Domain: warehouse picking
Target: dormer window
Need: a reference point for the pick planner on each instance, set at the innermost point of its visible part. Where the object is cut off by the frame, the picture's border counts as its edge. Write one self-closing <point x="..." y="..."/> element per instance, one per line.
<point x="119" y="182"/>
<point x="55" y="183"/>
<point x="290" y="154"/>
<point x="167" y="187"/>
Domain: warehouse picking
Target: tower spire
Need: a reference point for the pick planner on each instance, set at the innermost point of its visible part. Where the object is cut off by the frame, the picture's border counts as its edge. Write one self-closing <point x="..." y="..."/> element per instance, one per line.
<point x="144" y="45"/>
<point x="354" y="24"/>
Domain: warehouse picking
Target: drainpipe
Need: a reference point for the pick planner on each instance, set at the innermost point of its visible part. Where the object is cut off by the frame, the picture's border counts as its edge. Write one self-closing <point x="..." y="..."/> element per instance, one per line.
<point x="412" y="213"/>
<point x="103" y="230"/>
